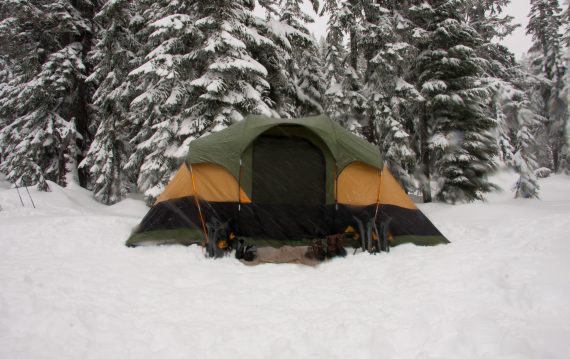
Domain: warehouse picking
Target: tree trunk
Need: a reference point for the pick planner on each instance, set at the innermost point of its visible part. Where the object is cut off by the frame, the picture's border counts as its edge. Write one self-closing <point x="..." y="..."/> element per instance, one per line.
<point x="80" y="106"/>
<point x="425" y="158"/>
<point x="353" y="41"/>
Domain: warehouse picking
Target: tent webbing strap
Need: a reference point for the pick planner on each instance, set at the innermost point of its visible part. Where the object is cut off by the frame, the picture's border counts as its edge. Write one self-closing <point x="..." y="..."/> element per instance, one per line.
<point x="198" y="204"/>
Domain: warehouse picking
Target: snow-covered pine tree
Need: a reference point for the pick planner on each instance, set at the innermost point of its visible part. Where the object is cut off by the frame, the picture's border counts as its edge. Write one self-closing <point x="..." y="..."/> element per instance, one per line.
<point x="393" y="102"/>
<point x="114" y="56"/>
<point x="451" y="78"/>
<point x="199" y="76"/>
<point x="46" y="100"/>
<point x="5" y="72"/>
<point x="518" y="125"/>
<point x="275" y="60"/>
<point x="344" y="101"/>
<point x="545" y="26"/>
<point x="487" y="17"/>
<point x="232" y="82"/>
<point x="311" y="84"/>
<point x="533" y="87"/>
<point x="523" y="157"/>
<point x="5" y="76"/>
<point x="293" y="91"/>
<point x="162" y="85"/>
<point x="304" y="67"/>
<point x="567" y="81"/>
<point x="335" y="69"/>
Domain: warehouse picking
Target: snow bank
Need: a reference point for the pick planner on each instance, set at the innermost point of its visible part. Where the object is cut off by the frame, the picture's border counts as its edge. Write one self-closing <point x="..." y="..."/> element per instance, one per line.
<point x="69" y="288"/>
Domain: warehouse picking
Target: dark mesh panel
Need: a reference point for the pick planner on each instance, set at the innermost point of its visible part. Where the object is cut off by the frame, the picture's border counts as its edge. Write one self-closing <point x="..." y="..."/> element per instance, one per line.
<point x="287" y="170"/>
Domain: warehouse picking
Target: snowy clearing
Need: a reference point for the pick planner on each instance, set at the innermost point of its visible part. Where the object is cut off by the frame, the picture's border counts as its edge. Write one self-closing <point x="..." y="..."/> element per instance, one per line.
<point x="69" y="288"/>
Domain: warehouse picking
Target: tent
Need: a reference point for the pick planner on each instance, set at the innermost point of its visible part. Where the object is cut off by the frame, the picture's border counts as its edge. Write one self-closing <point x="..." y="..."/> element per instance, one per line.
<point x="281" y="182"/>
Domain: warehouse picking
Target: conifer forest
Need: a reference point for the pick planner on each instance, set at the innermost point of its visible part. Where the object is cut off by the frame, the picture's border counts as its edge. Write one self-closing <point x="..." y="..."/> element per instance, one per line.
<point x="109" y="94"/>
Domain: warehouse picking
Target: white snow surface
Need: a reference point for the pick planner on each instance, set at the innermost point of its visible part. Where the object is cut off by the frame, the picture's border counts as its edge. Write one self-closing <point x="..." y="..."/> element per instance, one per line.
<point x="69" y="288"/>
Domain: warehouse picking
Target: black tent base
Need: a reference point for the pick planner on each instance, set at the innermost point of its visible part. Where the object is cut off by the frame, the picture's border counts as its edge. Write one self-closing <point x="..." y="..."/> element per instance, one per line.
<point x="178" y="221"/>
<point x="186" y="237"/>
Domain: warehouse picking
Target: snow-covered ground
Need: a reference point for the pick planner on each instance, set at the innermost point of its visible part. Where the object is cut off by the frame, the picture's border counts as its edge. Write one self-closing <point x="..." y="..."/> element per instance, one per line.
<point x="69" y="288"/>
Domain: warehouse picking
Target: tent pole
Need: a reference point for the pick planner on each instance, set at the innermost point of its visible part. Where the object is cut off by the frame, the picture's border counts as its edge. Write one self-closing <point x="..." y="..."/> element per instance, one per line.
<point x="377" y="207"/>
<point x="379" y="192"/>
<point x="335" y="184"/>
<point x="239" y="196"/>
<point x="198" y="204"/>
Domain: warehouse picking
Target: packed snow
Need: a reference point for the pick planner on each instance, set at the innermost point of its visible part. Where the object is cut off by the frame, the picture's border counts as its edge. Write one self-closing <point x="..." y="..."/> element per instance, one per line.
<point x="69" y="288"/>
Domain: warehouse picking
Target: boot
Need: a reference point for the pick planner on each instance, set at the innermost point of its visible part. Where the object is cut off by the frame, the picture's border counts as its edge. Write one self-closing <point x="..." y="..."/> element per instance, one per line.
<point x="339" y="246"/>
<point x="249" y="253"/>
<point x="317" y="250"/>
<point x="240" y="249"/>
<point x="332" y="245"/>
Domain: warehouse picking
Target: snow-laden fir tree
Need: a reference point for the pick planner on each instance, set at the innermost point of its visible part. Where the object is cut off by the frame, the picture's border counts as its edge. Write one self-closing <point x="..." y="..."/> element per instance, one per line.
<point x="292" y="64"/>
<point x="488" y="18"/>
<point x="393" y="102"/>
<point x="232" y="82"/>
<point x="567" y="81"/>
<point x="344" y="100"/>
<point x="162" y="86"/>
<point x="335" y="69"/>
<point x="451" y="78"/>
<point x="45" y="103"/>
<point x="199" y="76"/>
<point x="275" y="60"/>
<point x="39" y="144"/>
<point x="311" y="84"/>
<point x="547" y="54"/>
<point x="518" y="124"/>
<point x="114" y="56"/>
<point x="304" y="67"/>
<point x="5" y="75"/>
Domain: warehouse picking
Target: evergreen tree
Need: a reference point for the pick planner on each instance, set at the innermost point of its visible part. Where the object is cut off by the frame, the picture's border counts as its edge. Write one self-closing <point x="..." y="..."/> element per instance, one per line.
<point x="345" y="103"/>
<point x="115" y="55"/>
<point x="451" y="80"/>
<point x="311" y="84"/>
<point x="305" y="66"/>
<point x="335" y="69"/>
<point x="45" y="103"/>
<point x="518" y="124"/>
<point x="545" y="26"/>
<point x="162" y="87"/>
<point x="523" y="157"/>
<point x="394" y="102"/>
<point x="5" y="76"/>
<point x="488" y="19"/>
<point x="199" y="76"/>
<point x="567" y="83"/>
<point x="293" y="65"/>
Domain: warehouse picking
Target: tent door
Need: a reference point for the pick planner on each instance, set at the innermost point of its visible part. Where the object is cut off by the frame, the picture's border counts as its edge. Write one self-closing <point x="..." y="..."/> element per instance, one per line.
<point x="289" y="171"/>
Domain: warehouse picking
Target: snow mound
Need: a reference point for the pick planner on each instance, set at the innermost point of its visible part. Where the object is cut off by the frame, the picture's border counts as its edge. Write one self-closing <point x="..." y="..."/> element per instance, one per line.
<point x="69" y="288"/>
